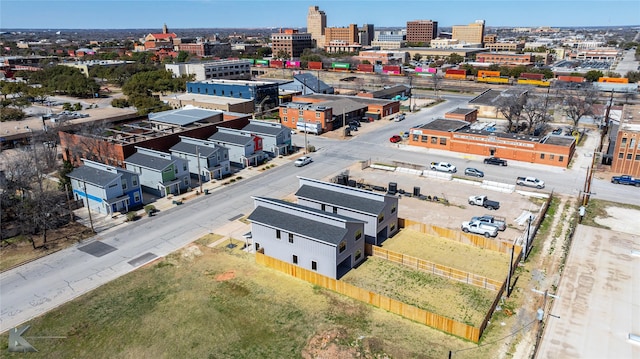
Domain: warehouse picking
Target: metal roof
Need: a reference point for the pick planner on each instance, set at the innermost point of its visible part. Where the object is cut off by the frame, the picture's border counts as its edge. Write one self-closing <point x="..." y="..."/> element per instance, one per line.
<point x="312" y="82"/>
<point x="341" y="199"/>
<point x="183" y="116"/>
<point x="343" y="105"/>
<point x="193" y="149"/>
<point x="94" y="176"/>
<point x="444" y="124"/>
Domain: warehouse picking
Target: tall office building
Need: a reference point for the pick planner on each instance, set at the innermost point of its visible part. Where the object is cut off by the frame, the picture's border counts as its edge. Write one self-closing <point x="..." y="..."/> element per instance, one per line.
<point x="316" y="23"/>
<point x="471" y="34"/>
<point x="366" y="34"/>
<point x="290" y="41"/>
<point x="422" y="30"/>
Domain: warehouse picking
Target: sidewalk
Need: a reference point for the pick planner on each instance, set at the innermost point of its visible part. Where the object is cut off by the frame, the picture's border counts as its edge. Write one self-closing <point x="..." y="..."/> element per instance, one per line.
<point x="102" y="222"/>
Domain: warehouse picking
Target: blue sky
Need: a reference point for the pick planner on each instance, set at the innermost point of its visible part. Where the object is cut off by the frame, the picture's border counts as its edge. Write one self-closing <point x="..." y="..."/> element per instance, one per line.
<point x="180" y="14"/>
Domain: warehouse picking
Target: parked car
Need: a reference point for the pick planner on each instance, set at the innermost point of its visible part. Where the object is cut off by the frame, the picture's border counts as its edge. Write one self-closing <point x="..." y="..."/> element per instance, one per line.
<point x="484" y="201"/>
<point x="473" y="172"/>
<point x="443" y="167"/>
<point x="495" y="161"/>
<point x="395" y="138"/>
<point x="354" y="123"/>
<point x="399" y="117"/>
<point x="499" y="222"/>
<point x="557" y="131"/>
<point x="626" y="179"/>
<point x="530" y="182"/>
<point x="302" y="161"/>
<point x="405" y="134"/>
<point x="478" y="227"/>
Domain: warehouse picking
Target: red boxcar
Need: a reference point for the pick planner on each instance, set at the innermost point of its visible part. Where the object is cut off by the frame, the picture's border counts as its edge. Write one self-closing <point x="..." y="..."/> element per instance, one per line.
<point x="530" y="76"/>
<point x="276" y="63"/>
<point x="314" y="65"/>
<point x="365" y="67"/>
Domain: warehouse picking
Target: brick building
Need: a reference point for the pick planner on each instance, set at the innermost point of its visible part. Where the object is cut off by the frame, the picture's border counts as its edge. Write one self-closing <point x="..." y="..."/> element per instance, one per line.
<point x="291" y="41"/>
<point x="316" y="24"/>
<point x="458" y="136"/>
<point x="469" y="115"/>
<point x="626" y="145"/>
<point x="421" y="31"/>
<point x="506" y="58"/>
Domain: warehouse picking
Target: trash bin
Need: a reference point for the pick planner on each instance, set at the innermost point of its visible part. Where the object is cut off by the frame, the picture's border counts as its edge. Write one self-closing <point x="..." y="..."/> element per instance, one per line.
<point x="206" y="191"/>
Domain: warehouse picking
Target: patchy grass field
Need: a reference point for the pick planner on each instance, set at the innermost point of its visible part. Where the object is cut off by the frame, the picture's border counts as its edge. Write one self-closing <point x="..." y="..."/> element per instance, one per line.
<point x="455" y="300"/>
<point x="205" y="302"/>
<point x="457" y="255"/>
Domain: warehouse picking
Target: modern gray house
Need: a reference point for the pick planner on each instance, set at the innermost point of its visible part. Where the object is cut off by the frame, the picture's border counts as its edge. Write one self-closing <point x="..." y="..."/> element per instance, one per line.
<point x="106" y="189"/>
<point x="378" y="211"/>
<point x="206" y="159"/>
<point x="245" y="148"/>
<point x="276" y="138"/>
<point x="160" y="173"/>
<point x="328" y="243"/>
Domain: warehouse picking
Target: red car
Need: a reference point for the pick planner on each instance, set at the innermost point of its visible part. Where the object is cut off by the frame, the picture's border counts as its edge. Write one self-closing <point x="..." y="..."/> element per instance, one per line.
<point x="395" y="138"/>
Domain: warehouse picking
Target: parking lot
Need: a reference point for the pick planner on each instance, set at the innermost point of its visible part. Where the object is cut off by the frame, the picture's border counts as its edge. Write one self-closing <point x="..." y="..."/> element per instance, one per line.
<point x="452" y="207"/>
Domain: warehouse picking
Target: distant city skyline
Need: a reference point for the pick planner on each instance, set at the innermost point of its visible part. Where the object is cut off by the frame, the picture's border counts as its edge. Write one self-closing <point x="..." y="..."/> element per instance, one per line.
<point x="185" y="14"/>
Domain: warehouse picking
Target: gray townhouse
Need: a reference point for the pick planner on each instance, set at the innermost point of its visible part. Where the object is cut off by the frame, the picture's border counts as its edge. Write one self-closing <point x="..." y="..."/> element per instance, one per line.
<point x="206" y="159"/>
<point x="160" y="173"/>
<point x="378" y="211"/>
<point x="276" y="138"/>
<point x="106" y="189"/>
<point x="325" y="242"/>
<point x="245" y="148"/>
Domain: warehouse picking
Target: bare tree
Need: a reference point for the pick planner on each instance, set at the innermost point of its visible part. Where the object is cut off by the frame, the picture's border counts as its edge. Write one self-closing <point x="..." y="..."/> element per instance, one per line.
<point x="534" y="113"/>
<point x="436" y="82"/>
<point x="510" y="105"/>
<point x="579" y="103"/>
<point x="89" y="142"/>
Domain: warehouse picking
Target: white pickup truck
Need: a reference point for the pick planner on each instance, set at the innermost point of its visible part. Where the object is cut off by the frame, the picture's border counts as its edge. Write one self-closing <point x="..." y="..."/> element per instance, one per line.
<point x="443" y="167"/>
<point x="478" y="227"/>
<point x="530" y="182"/>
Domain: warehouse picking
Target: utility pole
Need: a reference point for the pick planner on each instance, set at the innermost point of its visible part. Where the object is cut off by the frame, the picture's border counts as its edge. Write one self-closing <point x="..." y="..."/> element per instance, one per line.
<point x="66" y="190"/>
<point x="86" y="195"/>
<point x="199" y="173"/>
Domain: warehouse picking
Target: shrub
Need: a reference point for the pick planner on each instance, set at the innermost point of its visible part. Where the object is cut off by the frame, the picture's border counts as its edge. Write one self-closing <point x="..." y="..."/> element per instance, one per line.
<point x="132" y="216"/>
<point x="149" y="208"/>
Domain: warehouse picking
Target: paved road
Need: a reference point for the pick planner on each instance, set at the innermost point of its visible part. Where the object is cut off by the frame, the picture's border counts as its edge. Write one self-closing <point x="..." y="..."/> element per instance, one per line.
<point x="37" y="287"/>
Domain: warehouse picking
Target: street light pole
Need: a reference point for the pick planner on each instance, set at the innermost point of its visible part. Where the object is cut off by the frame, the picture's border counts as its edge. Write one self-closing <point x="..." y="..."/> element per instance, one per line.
<point x="199" y="173"/>
<point x="86" y="195"/>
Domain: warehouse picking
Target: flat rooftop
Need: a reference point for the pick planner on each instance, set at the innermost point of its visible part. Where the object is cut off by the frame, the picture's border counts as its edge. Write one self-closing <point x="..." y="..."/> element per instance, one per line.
<point x="206" y="98"/>
<point x="462" y="111"/>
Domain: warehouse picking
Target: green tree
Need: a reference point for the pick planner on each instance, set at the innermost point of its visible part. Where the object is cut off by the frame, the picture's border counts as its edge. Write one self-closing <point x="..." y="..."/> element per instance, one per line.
<point x="633" y="76"/>
<point x="183" y="56"/>
<point x="11" y="114"/>
<point x="455" y="58"/>
<point x="264" y="52"/>
<point x="593" y="75"/>
<point x="282" y="54"/>
<point x="417" y="57"/>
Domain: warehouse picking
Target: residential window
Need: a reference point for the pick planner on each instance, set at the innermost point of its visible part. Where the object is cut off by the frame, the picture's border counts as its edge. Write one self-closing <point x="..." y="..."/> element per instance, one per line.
<point x="443" y="141"/>
<point x="186" y="181"/>
<point x="632" y="144"/>
<point x="184" y="166"/>
<point x="295" y="259"/>
<point x="335" y="210"/>
<point x="393" y="209"/>
<point x="277" y="234"/>
<point x="323" y="207"/>
<point x="542" y="156"/>
<point x="620" y="155"/>
<point x="434" y="140"/>
<point x="358" y="254"/>
<point x="290" y="237"/>
<point x="136" y="196"/>
<point x="342" y="246"/>
<point x="358" y="234"/>
<point x="392" y="227"/>
<point x="175" y="170"/>
<point x="623" y="142"/>
<point x="314" y="265"/>
<point x="561" y="158"/>
<point x="552" y="157"/>
<point x="124" y="185"/>
<point x="380" y="218"/>
<point x="637" y="157"/>
<point x="628" y="156"/>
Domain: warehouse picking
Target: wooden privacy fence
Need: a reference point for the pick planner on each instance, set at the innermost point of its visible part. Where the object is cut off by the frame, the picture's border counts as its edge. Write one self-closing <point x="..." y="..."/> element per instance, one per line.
<point x="434" y="268"/>
<point x="394" y="306"/>
<point x="457" y="235"/>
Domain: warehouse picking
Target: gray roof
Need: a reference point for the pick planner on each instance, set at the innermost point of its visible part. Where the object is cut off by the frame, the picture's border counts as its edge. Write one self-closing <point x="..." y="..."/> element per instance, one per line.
<point x="343" y="105"/>
<point x="263" y="130"/>
<point x="340" y="199"/>
<point x="289" y="222"/>
<point x="446" y="125"/>
<point x="364" y="100"/>
<point x="190" y="148"/>
<point x="313" y="83"/>
<point x="148" y="161"/>
<point x="230" y="138"/>
<point x="183" y="117"/>
<point x="93" y="175"/>
<point x="391" y="91"/>
<point x="462" y="111"/>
